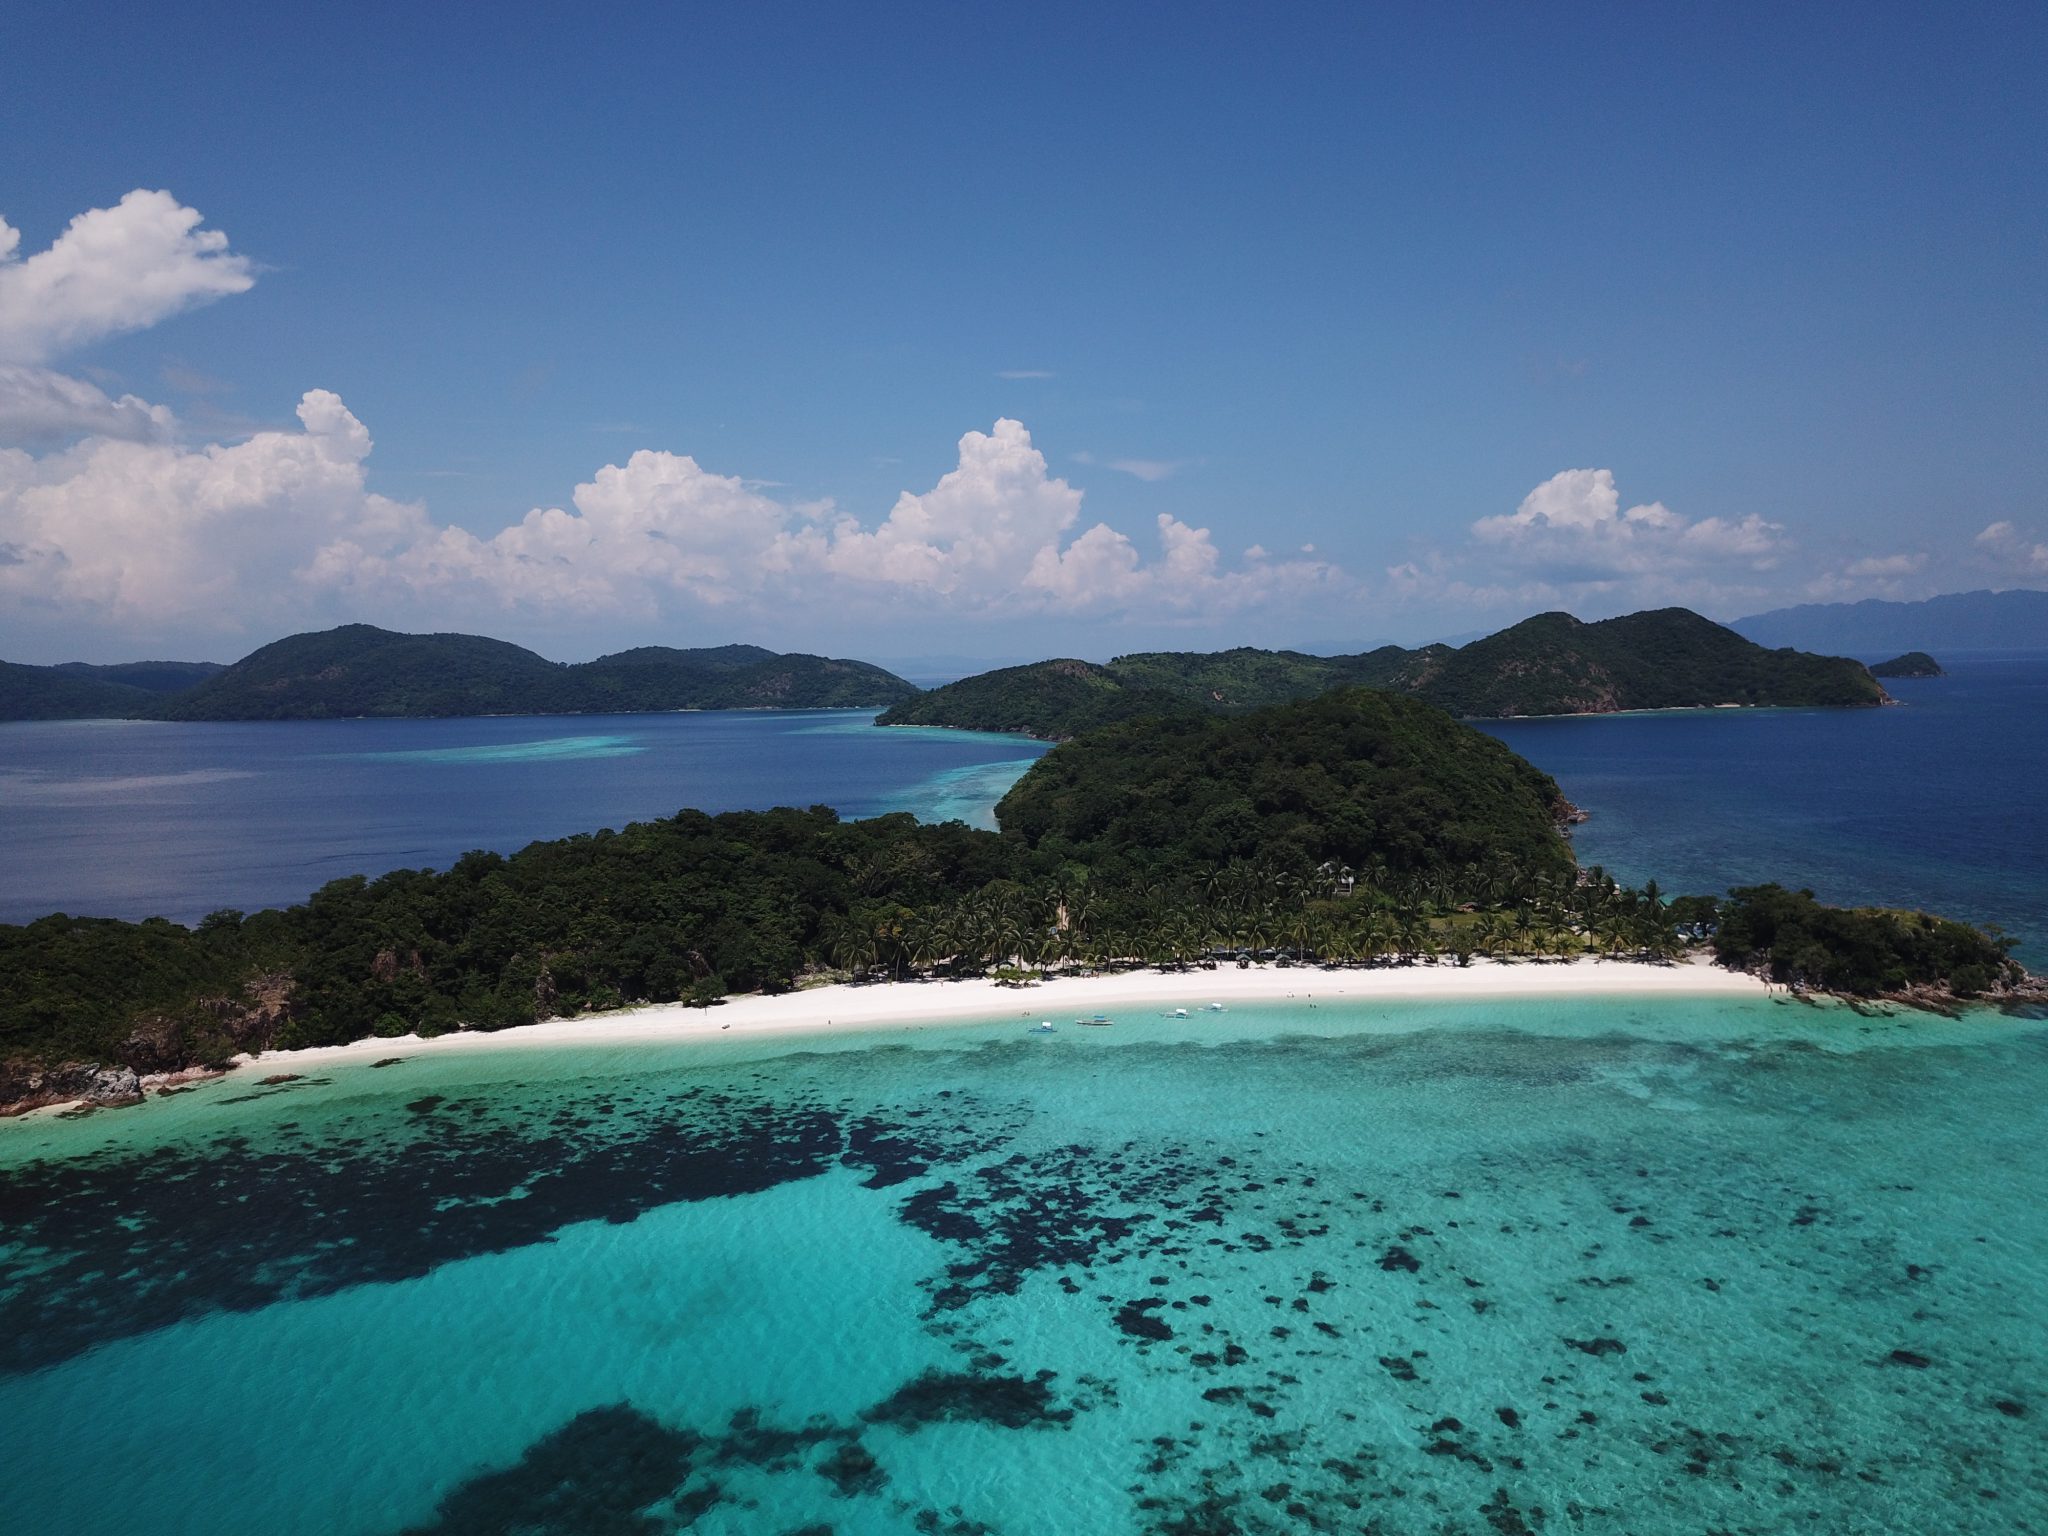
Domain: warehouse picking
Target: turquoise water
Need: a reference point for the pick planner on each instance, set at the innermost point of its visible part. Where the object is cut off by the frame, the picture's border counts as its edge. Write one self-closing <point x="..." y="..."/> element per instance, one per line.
<point x="126" y="818"/>
<point x="1596" y="1266"/>
<point x="548" y="749"/>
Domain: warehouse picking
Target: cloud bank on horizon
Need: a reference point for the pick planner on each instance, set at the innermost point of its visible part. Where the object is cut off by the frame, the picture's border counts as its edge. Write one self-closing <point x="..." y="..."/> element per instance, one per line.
<point x="112" y="521"/>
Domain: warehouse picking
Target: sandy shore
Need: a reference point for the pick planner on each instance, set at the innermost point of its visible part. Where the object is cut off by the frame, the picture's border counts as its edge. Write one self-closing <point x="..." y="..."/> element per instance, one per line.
<point x="931" y="1003"/>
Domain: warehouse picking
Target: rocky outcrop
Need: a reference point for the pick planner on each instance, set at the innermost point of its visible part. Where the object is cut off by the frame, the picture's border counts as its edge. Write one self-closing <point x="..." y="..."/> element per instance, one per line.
<point x="160" y="1049"/>
<point x="252" y="1020"/>
<point x="24" y="1086"/>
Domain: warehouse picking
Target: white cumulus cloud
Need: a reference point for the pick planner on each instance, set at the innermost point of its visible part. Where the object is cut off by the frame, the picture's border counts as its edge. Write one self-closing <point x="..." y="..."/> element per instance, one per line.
<point x="994" y="536"/>
<point x="112" y="270"/>
<point x="136" y="534"/>
<point x="1572" y="543"/>
<point x="140" y="533"/>
<point x="40" y="405"/>
<point x="2012" y="550"/>
<point x="1886" y="567"/>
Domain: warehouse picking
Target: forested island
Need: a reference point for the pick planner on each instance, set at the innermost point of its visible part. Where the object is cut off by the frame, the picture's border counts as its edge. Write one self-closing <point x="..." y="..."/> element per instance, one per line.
<point x="1551" y="664"/>
<point x="1354" y="828"/>
<point x="359" y="670"/>
<point x="1912" y="664"/>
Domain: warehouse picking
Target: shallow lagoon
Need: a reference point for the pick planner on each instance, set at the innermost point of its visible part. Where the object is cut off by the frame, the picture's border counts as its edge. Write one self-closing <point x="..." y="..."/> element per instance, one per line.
<point x="1602" y="1266"/>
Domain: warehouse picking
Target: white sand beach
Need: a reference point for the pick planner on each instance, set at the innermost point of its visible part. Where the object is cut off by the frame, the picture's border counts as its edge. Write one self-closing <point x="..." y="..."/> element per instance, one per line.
<point x="926" y="1004"/>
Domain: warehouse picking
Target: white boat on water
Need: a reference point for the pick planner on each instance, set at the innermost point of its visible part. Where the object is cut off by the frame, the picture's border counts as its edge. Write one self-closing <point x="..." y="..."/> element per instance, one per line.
<point x="1178" y="1013"/>
<point x="1044" y="1027"/>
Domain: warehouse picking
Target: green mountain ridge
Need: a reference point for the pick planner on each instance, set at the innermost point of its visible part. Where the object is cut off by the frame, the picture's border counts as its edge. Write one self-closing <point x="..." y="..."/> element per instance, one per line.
<point x="360" y="670"/>
<point x="2012" y="620"/>
<point x="58" y="693"/>
<point x="1552" y="664"/>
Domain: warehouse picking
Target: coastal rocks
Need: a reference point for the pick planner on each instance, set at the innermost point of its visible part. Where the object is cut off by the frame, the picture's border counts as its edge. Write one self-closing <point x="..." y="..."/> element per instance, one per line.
<point x="27" y="1086"/>
<point x="112" y="1086"/>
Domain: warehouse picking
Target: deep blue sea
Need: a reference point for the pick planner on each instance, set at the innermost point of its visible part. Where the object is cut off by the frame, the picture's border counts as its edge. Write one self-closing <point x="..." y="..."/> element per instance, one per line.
<point x="120" y="818"/>
<point x="1940" y="804"/>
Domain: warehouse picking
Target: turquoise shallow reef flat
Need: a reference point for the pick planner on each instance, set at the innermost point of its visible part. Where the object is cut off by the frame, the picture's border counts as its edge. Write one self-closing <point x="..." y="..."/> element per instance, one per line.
<point x="1605" y="1266"/>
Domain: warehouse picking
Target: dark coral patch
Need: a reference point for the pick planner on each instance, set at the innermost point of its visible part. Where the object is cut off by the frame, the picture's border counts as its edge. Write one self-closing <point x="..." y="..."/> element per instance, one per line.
<point x="592" y="1477"/>
<point x="1014" y="1402"/>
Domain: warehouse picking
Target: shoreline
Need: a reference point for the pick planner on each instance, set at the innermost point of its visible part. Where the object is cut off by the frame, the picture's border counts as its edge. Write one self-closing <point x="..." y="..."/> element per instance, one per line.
<point x="848" y="1008"/>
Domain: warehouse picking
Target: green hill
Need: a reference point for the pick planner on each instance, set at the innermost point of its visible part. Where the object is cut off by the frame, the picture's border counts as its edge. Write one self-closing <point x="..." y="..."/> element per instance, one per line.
<point x="151" y="676"/>
<point x="1356" y="776"/>
<point x="1049" y="699"/>
<point x="734" y="677"/>
<point x="359" y="670"/>
<point x="58" y="693"/>
<point x="1668" y="658"/>
<point x="1912" y="664"/>
<point x="1548" y="665"/>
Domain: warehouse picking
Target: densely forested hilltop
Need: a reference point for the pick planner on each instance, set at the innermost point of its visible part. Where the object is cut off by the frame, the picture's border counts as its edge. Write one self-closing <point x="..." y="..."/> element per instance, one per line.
<point x="1354" y="776"/>
<point x="53" y="693"/>
<point x="1548" y="665"/>
<point x="1912" y="664"/>
<point x="362" y="670"/>
<point x="150" y="676"/>
<point x="77" y="690"/>
<point x="1668" y="658"/>
<point x="1048" y="699"/>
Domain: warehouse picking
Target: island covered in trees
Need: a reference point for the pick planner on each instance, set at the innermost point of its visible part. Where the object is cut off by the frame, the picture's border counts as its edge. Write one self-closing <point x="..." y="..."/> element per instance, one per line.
<point x="1354" y="828"/>
<point x="360" y="670"/>
<point x="1912" y="664"/>
<point x="1551" y="664"/>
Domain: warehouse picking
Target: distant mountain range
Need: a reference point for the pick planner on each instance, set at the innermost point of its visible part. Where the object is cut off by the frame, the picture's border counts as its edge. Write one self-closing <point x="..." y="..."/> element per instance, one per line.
<point x="359" y="670"/>
<point x="1959" y="621"/>
<point x="1552" y="664"/>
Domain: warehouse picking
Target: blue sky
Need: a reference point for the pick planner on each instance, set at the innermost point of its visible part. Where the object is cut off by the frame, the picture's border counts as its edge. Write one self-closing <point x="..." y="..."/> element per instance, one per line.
<point x="1447" y="317"/>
